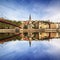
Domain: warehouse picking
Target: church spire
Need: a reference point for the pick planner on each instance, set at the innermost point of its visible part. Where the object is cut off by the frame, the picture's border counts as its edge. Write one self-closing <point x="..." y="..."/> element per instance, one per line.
<point x="30" y="17"/>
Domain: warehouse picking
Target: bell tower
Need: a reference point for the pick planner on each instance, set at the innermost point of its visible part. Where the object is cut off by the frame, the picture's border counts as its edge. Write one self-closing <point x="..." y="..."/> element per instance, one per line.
<point x="30" y="17"/>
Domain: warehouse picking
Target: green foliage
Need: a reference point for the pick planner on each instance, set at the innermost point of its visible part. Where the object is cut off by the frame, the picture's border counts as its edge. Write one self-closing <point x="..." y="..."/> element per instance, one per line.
<point x="7" y="26"/>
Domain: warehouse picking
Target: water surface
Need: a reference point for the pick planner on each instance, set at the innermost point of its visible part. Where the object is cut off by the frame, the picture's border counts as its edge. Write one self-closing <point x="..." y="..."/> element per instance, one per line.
<point x="39" y="50"/>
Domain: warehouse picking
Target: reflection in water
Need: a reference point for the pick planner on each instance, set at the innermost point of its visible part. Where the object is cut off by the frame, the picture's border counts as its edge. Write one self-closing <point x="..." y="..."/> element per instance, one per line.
<point x="5" y="37"/>
<point x="40" y="50"/>
<point x="8" y="37"/>
<point x="13" y="49"/>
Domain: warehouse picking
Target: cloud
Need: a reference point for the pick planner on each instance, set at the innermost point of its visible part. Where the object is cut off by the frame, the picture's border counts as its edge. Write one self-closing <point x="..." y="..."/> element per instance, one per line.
<point x="38" y="11"/>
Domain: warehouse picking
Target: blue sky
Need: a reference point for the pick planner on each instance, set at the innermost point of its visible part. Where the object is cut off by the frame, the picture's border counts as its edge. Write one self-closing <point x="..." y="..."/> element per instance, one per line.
<point x="39" y="9"/>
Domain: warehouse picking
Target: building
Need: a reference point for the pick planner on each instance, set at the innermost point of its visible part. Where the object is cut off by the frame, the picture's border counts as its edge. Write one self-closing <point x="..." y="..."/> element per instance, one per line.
<point x="40" y="30"/>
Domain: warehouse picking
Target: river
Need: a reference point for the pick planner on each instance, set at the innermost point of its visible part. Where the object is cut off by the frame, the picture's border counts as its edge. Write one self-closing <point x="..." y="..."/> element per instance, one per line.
<point x="39" y="50"/>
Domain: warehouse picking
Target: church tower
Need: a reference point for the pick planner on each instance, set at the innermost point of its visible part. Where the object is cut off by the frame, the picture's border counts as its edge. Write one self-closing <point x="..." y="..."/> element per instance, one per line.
<point x="30" y="17"/>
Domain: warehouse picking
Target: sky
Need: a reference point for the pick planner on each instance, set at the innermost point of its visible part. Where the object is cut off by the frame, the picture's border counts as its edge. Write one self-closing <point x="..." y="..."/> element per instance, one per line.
<point x="39" y="9"/>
